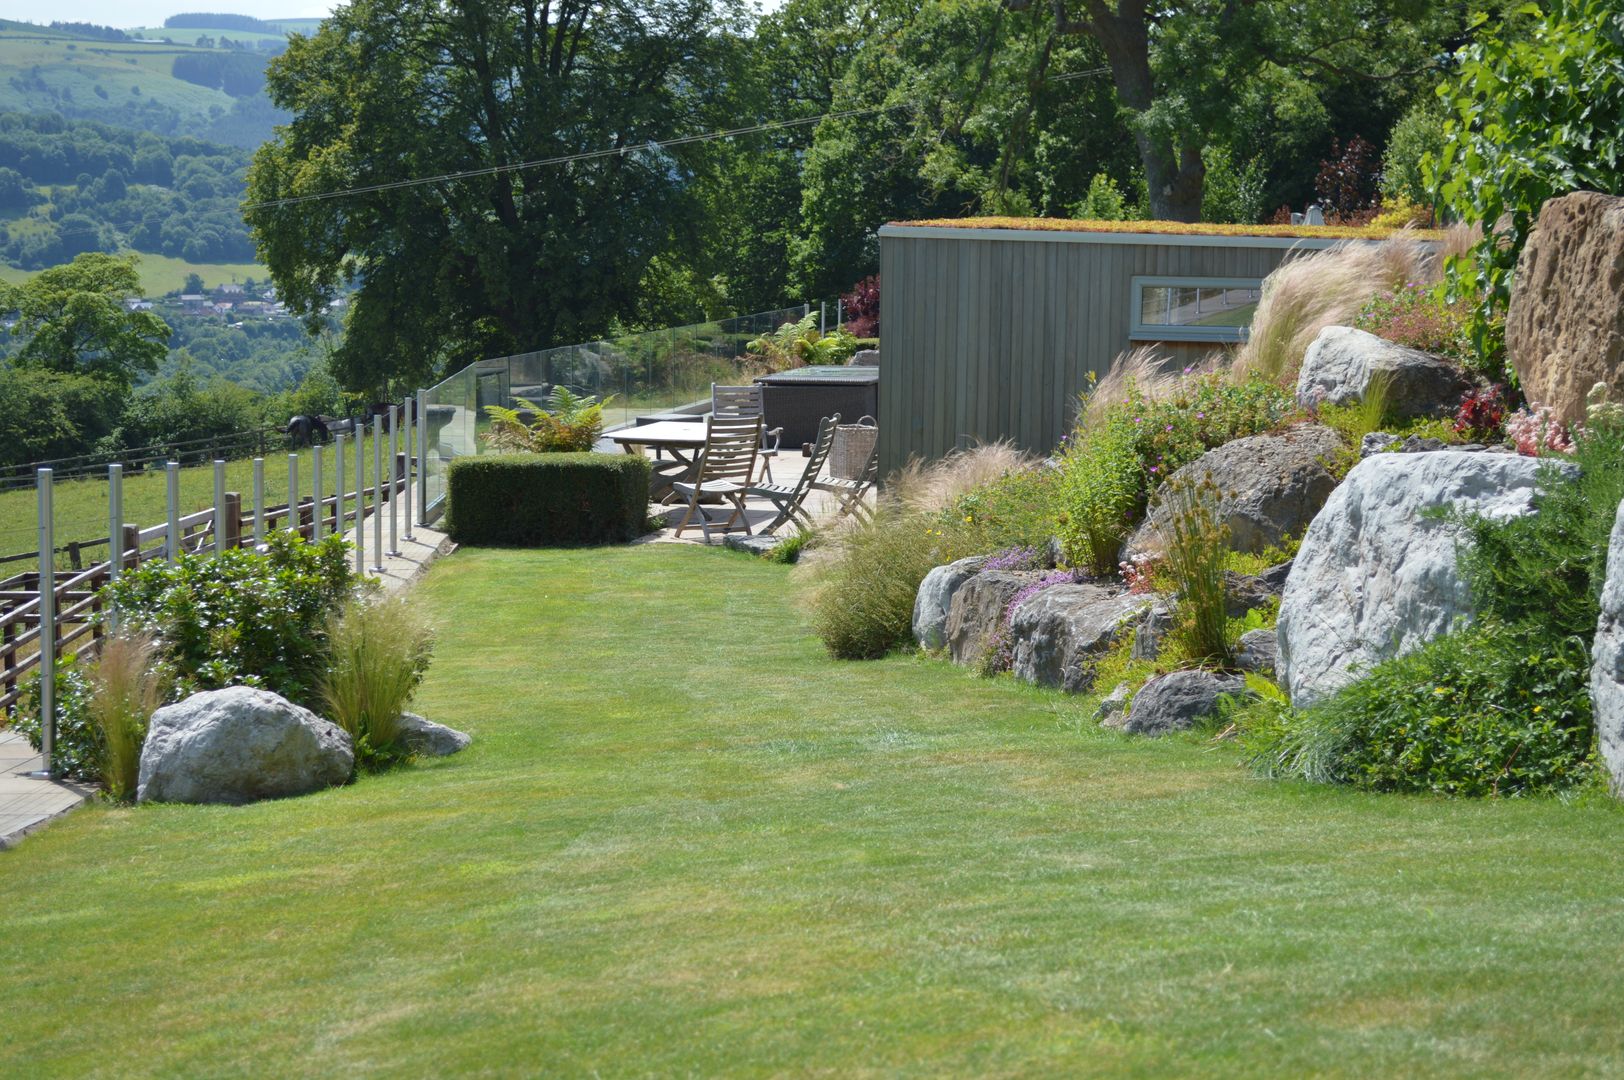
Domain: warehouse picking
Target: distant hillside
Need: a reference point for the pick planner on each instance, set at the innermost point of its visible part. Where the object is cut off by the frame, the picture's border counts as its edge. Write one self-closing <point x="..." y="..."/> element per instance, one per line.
<point x="204" y="83"/>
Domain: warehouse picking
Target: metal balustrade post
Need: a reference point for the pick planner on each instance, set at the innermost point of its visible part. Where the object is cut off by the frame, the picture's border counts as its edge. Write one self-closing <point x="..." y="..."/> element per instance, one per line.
<point x="377" y="493"/>
<point x="315" y="492"/>
<point x="219" y="508"/>
<point x="47" y="622"/>
<point x="172" y="522"/>
<point x="422" y="460"/>
<point x="338" y="485"/>
<point x="360" y="500"/>
<point x="259" y="501"/>
<point x="293" y="492"/>
<point x="115" y="532"/>
<point x="394" y="478"/>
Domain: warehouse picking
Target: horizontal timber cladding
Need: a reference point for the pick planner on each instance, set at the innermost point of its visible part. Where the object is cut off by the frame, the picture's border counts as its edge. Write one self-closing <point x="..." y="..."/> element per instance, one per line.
<point x="992" y="334"/>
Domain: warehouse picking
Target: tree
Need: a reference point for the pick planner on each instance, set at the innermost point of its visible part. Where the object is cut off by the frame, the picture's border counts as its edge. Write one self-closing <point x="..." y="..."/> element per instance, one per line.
<point x="503" y="261"/>
<point x="194" y="283"/>
<point x="72" y="321"/>
<point x="1182" y="69"/>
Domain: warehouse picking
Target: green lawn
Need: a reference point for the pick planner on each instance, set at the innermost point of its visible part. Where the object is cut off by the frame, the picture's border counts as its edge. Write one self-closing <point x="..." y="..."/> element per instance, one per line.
<point x="685" y="842"/>
<point x="160" y="274"/>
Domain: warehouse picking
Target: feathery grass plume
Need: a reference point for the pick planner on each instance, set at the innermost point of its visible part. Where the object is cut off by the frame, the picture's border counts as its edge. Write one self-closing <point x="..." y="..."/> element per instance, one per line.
<point x="378" y="652"/>
<point x="1143" y="368"/>
<point x="125" y="690"/>
<point x="1460" y="240"/>
<point x="1195" y="546"/>
<point x="1324" y="288"/>
<point x="923" y="488"/>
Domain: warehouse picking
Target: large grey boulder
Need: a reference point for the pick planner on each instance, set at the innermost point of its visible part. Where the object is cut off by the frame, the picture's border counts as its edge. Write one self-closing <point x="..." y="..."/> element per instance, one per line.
<point x="423" y="736"/>
<point x="935" y="597"/>
<point x="977" y="610"/>
<point x="1565" y="327"/>
<point x="1342" y="362"/>
<point x="238" y="745"/>
<point x="1175" y="701"/>
<point x="1057" y="635"/>
<point x="1268" y="487"/>
<point x="1376" y="574"/>
<point x="1607" y="661"/>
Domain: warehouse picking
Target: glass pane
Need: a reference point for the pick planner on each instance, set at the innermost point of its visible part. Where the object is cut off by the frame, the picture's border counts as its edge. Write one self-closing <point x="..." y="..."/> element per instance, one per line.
<point x="1207" y="305"/>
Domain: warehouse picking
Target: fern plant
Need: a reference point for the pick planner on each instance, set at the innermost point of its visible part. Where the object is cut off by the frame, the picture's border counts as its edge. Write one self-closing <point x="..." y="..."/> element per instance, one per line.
<point x="797" y="344"/>
<point x="569" y="422"/>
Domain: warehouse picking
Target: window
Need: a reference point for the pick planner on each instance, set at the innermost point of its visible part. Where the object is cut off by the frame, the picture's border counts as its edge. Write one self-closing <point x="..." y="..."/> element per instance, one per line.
<point x="1193" y="309"/>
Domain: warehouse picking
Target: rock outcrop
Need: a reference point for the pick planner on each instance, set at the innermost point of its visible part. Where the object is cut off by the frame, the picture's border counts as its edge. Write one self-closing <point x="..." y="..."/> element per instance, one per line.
<point x="1269" y="487"/>
<point x="1565" y="328"/>
<point x="424" y="736"/>
<point x="239" y="745"/>
<point x="1175" y="701"/>
<point x="977" y="610"/>
<point x="1375" y="576"/>
<point x="1342" y="363"/>
<point x="935" y="597"/>
<point x="1057" y="635"/>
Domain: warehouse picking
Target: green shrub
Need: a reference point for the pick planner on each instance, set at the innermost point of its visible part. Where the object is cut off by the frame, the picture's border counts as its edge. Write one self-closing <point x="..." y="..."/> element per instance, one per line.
<point x="378" y="653"/>
<point x="1489" y="710"/>
<point x="547" y="500"/>
<point x="1110" y="467"/>
<point x="78" y="749"/>
<point x="243" y="617"/>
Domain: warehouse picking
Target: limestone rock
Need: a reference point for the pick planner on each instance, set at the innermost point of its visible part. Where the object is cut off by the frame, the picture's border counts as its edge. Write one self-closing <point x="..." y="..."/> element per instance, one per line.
<point x="754" y="544"/>
<point x="1607" y="661"/>
<point x="1342" y="362"/>
<point x="1275" y="576"/>
<point x="1565" y="328"/>
<point x="424" y="736"/>
<point x="1057" y="635"/>
<point x="1113" y="705"/>
<point x="935" y="596"/>
<point x="1258" y="650"/>
<point x="1152" y="628"/>
<point x="1175" y="701"/>
<point x="977" y="610"/>
<point x="1270" y="486"/>
<point x="238" y="745"/>
<point x="1375" y="576"/>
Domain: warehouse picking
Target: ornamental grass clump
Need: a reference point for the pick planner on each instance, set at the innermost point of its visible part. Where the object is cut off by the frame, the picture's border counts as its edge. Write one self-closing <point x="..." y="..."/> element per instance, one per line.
<point x="126" y="687"/>
<point x="1195" y="546"/>
<point x="378" y="652"/>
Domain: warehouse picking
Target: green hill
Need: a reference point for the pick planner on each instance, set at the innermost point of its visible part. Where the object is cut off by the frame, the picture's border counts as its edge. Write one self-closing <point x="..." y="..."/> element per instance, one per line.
<point x="142" y="85"/>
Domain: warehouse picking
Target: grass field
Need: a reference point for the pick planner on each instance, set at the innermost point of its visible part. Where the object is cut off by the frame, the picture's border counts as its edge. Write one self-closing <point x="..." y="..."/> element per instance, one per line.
<point x="684" y="842"/>
<point x="80" y="506"/>
<point x="161" y="273"/>
<point x="40" y="69"/>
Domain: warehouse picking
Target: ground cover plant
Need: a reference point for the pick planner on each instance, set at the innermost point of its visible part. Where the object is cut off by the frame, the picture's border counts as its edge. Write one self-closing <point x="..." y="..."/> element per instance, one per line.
<point x="829" y="868"/>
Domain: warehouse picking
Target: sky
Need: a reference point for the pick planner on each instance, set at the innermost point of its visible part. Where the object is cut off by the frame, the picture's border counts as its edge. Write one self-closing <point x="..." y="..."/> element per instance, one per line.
<point x="127" y="13"/>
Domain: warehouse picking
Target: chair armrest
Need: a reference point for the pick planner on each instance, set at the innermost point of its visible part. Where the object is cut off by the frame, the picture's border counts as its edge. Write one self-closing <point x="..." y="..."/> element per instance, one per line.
<point x="777" y="433"/>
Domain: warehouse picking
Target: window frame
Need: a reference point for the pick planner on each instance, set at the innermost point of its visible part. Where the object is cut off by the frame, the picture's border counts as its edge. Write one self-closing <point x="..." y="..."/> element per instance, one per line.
<point x="1142" y="331"/>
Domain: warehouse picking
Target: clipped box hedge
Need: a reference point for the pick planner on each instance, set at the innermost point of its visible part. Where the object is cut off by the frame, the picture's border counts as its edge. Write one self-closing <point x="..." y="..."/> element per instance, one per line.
<point x="547" y="500"/>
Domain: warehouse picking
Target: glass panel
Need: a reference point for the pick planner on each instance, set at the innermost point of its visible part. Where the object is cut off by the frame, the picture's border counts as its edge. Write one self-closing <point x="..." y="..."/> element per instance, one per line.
<point x="1229" y="306"/>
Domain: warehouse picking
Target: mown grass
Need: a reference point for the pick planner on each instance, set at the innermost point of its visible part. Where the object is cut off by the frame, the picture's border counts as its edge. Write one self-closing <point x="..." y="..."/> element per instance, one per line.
<point x="159" y="274"/>
<point x="686" y="842"/>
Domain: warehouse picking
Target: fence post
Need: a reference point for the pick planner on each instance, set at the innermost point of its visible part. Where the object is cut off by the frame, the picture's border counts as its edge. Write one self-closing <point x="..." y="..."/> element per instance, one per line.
<point x="115" y="520"/>
<point x="293" y="492"/>
<point x="259" y="501"/>
<point x="377" y="493"/>
<point x="219" y="507"/>
<point x="823" y="317"/>
<point x="360" y="500"/>
<point x="131" y="540"/>
<point x="422" y="460"/>
<point x="840" y="312"/>
<point x="231" y="536"/>
<point x="172" y="491"/>
<point x="338" y="485"/>
<point x="315" y="492"/>
<point x="47" y="622"/>
<point x="394" y="475"/>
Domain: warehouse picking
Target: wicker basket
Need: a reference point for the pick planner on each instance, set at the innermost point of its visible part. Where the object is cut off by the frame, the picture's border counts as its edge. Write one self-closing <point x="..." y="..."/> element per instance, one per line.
<point x="852" y="449"/>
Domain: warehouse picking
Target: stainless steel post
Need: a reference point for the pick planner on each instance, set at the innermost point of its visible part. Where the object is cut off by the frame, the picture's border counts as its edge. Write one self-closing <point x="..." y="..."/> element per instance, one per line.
<point x="259" y="501"/>
<point x="219" y="507"/>
<point x="293" y="492"/>
<point x="377" y="493"/>
<point x="172" y="533"/>
<point x="360" y="500"/>
<point x="338" y="485"/>
<point x="394" y="459"/>
<point x="315" y="492"/>
<point x="115" y="521"/>
<point x="422" y="460"/>
<point x="47" y="621"/>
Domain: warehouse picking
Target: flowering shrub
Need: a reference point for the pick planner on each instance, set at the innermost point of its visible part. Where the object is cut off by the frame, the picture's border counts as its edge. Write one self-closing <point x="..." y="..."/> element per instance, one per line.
<point x="1140" y="573"/>
<point x="1015" y="558"/>
<point x="1417" y="316"/>
<point x="1534" y="429"/>
<point x="1482" y="415"/>
<point x="1109" y="469"/>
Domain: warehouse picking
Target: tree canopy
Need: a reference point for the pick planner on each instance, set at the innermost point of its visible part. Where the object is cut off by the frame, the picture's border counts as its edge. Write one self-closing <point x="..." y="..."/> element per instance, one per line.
<point x="73" y="322"/>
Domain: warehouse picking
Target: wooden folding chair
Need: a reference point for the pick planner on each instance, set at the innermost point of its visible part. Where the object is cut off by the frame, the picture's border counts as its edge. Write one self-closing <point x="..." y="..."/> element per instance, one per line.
<point x="725" y="468"/>
<point x="790" y="500"/>
<point x="849" y="494"/>
<point x="736" y="401"/>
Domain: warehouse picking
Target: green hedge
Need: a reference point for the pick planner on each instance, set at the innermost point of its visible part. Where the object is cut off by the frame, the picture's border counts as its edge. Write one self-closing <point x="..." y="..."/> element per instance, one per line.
<point x="547" y="500"/>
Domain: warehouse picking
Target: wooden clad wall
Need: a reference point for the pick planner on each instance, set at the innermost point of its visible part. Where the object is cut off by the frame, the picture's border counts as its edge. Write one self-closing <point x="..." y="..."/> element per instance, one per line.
<point x="991" y="334"/>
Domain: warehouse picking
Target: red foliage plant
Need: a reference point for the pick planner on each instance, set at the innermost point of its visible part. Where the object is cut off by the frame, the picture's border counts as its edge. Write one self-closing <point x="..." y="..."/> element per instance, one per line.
<point x="1346" y="183"/>
<point x="1482" y="415"/>
<point x="861" y="308"/>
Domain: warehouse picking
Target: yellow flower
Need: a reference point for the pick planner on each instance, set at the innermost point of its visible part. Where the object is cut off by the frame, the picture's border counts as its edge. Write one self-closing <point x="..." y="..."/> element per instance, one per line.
<point x="1538" y="709"/>
<point x="1440" y="689"/>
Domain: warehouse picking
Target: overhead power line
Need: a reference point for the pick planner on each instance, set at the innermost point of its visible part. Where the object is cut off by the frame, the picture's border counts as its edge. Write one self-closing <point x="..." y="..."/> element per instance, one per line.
<point x="618" y="151"/>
